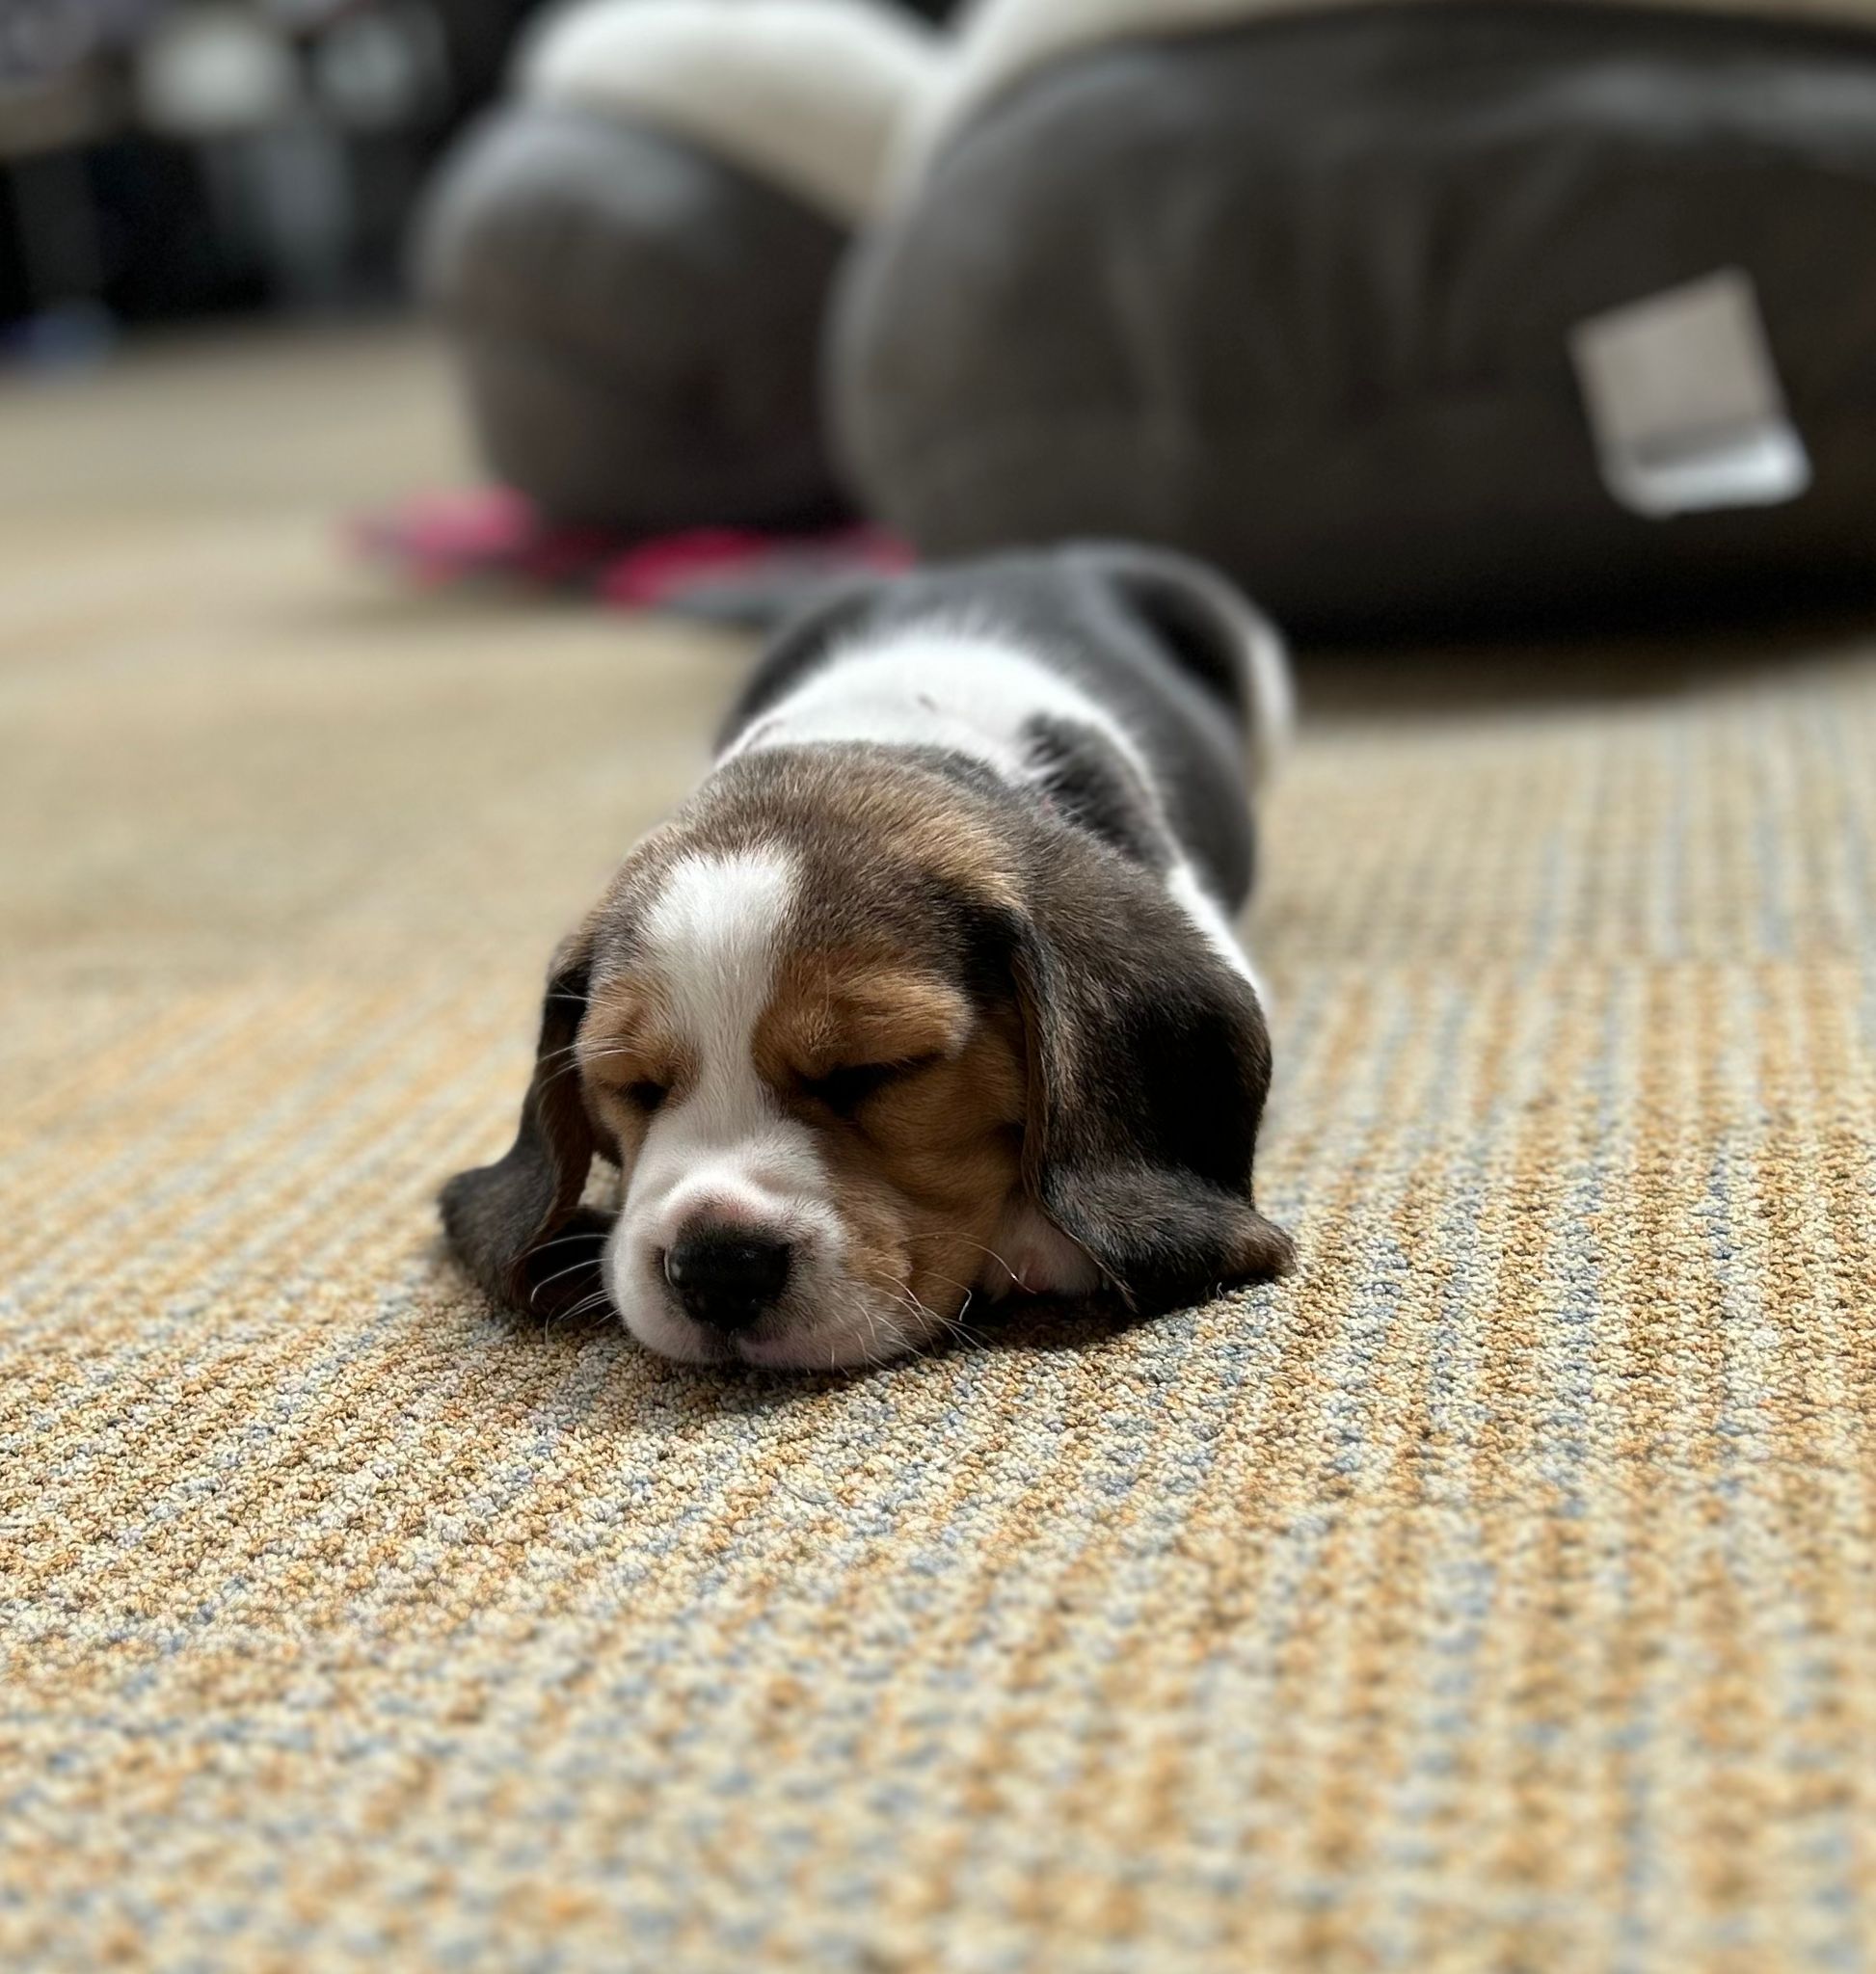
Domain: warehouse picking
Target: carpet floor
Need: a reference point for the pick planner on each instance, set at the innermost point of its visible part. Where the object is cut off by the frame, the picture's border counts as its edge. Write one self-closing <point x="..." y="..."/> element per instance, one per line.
<point x="1497" y="1594"/>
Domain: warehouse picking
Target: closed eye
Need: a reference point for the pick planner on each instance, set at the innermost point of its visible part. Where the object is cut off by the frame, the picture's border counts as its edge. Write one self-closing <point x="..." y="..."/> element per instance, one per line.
<point x="843" y="1090"/>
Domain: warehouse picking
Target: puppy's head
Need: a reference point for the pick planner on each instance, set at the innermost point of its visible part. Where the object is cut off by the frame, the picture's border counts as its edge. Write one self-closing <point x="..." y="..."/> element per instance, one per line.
<point x="866" y="1040"/>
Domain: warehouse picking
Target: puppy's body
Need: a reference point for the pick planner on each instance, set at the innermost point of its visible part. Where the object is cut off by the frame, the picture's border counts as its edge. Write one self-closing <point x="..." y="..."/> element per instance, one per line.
<point x="930" y="992"/>
<point x="1165" y="691"/>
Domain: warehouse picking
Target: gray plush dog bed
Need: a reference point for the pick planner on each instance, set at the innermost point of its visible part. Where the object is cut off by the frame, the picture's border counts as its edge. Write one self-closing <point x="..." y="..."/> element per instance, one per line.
<point x="1411" y="312"/>
<point x="1318" y="297"/>
<point x="638" y="323"/>
<point x="634" y="255"/>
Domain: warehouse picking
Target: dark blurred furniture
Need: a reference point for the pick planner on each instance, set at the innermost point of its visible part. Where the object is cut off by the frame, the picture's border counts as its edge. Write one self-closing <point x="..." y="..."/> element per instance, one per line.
<point x="115" y="209"/>
<point x="1478" y="316"/>
<point x="167" y="158"/>
<point x="633" y="253"/>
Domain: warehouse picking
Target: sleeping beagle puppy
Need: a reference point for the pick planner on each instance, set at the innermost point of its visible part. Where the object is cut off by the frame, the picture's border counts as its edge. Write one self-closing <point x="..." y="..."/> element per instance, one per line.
<point x="930" y="993"/>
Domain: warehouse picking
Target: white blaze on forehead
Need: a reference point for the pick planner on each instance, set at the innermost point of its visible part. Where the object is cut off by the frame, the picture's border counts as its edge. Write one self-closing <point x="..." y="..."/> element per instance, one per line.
<point x="721" y="1150"/>
<point x="722" y="1147"/>
<point x="712" y="937"/>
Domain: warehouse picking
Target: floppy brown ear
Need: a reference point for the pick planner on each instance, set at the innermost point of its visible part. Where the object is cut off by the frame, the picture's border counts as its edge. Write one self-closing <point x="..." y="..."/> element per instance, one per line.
<point x="1150" y="1064"/>
<point x="518" y="1225"/>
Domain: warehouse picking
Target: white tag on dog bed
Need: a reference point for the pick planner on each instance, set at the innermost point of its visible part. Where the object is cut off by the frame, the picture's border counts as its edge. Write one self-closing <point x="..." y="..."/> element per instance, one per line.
<point x="1685" y="401"/>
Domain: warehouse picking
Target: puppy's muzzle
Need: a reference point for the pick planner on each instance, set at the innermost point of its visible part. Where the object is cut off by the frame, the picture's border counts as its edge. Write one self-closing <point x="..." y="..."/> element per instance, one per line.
<point x="728" y="1278"/>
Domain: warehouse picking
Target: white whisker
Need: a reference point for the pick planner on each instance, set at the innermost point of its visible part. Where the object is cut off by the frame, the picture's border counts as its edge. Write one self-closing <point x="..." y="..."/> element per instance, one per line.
<point x="590" y="1261"/>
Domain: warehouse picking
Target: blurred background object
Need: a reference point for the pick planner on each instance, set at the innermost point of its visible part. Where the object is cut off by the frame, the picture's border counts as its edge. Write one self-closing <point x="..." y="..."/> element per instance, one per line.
<point x="1475" y="316"/>
<point x="1484" y="317"/>
<point x="166" y="159"/>
<point x="635" y="252"/>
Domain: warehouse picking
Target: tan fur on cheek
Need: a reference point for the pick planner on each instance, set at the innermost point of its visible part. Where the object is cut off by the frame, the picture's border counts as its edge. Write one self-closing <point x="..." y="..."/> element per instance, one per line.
<point x="627" y="1040"/>
<point x="622" y="1128"/>
<point x="924" y="1176"/>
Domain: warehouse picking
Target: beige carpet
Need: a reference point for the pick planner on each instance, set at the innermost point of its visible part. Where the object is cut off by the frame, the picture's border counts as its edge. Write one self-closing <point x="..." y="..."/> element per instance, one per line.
<point x="1499" y="1594"/>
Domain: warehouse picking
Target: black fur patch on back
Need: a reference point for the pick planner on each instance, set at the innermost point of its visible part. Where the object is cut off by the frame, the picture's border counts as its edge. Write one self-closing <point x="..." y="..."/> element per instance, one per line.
<point x="1090" y="783"/>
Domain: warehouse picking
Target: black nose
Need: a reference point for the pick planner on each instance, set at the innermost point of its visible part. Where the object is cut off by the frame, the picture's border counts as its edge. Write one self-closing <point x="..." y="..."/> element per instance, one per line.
<point x="725" y="1276"/>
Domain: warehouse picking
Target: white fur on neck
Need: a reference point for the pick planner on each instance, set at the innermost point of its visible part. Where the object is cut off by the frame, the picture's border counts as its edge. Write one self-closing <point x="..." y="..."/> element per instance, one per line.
<point x="971" y="691"/>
